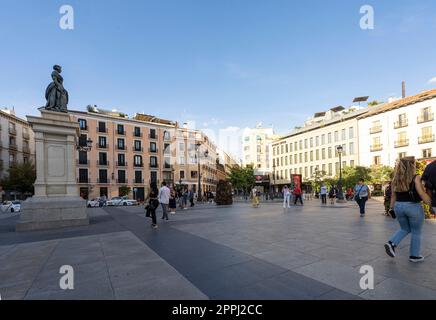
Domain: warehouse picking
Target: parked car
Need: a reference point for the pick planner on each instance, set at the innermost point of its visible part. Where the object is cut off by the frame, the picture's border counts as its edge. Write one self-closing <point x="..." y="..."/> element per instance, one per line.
<point x="121" y="201"/>
<point x="93" y="203"/>
<point x="11" y="206"/>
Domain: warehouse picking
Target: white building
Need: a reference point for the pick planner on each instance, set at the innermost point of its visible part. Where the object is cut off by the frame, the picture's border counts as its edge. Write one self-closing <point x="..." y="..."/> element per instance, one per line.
<point x="404" y="127"/>
<point x="256" y="151"/>
<point x="17" y="142"/>
<point x="314" y="147"/>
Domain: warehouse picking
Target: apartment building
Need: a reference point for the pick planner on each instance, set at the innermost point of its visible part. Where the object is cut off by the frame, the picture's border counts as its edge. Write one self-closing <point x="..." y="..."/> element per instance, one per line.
<point x="17" y="143"/>
<point x="405" y="127"/>
<point x="256" y="144"/>
<point x="313" y="147"/>
<point x="195" y="157"/>
<point x="125" y="152"/>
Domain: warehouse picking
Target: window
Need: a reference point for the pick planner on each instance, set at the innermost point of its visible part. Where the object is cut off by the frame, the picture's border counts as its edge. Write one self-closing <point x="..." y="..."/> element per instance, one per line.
<point x="83" y="140"/>
<point x="352" y="163"/>
<point x="82" y="124"/>
<point x="300" y="145"/>
<point x="120" y="128"/>
<point x="300" y="158"/>
<point x="182" y="161"/>
<point x="102" y="127"/>
<point x="426" y="153"/>
<point x="425" y="115"/>
<point x="182" y="174"/>
<point x="102" y="142"/>
<point x="137" y="145"/>
<point x="305" y="157"/>
<point x="259" y="149"/>
<point x="153" y="133"/>
<point x="330" y="172"/>
<point x="167" y="135"/>
<point x="138" y="177"/>
<point x="167" y="162"/>
<point x="376" y="160"/>
<point x="401" y="155"/>
<point x="83" y="175"/>
<point x="102" y="159"/>
<point x="317" y="154"/>
<point x="305" y="143"/>
<point x="336" y="136"/>
<point x="120" y="144"/>
<point x="311" y="142"/>
<point x="329" y="137"/>
<point x="290" y="147"/>
<point x="351" y="133"/>
<point x="194" y="174"/>
<point x="426" y="135"/>
<point x="323" y="153"/>
<point x="137" y="161"/>
<point x="330" y="152"/>
<point x="343" y="135"/>
<point x="83" y="157"/>
<point x="121" y="159"/>
<point x="153" y="147"/>
<point x="295" y="158"/>
<point x="102" y="176"/>
<point x="153" y="162"/>
<point x="317" y="141"/>
<point x="137" y="131"/>
<point x="295" y="146"/>
<point x="323" y="139"/>
<point x="121" y="176"/>
<point x="311" y="155"/>
<point x="351" y="148"/>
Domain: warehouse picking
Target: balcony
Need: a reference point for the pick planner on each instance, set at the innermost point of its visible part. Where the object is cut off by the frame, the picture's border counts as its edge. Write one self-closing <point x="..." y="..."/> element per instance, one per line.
<point x="134" y="149"/>
<point x="12" y="131"/>
<point x="121" y="147"/>
<point x="137" y="134"/>
<point x="121" y="164"/>
<point x="82" y="162"/>
<point x="83" y="128"/>
<point x="401" y="124"/>
<point x="138" y="165"/>
<point x="102" y="130"/>
<point x="121" y="132"/>
<point x="427" y="117"/>
<point x="26" y="135"/>
<point x="153" y="166"/>
<point x="83" y="180"/>
<point x="376" y="147"/>
<point x="103" y="181"/>
<point x="401" y="143"/>
<point x="122" y="180"/>
<point x="152" y="150"/>
<point x="13" y="146"/>
<point x="101" y="146"/>
<point x="167" y="167"/>
<point x="375" y="129"/>
<point x="152" y="136"/>
<point x="138" y="181"/>
<point x="102" y="163"/>
<point x="426" y="139"/>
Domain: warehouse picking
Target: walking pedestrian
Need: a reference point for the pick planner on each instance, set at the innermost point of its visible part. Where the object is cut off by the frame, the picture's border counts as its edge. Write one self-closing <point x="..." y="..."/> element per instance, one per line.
<point x="191" y="196"/>
<point x="407" y="193"/>
<point x="297" y="195"/>
<point x="164" y="199"/>
<point x="153" y="204"/>
<point x="286" y="197"/>
<point x="323" y="193"/>
<point x="255" y="198"/>
<point x="429" y="177"/>
<point x="332" y="194"/>
<point x="361" y="195"/>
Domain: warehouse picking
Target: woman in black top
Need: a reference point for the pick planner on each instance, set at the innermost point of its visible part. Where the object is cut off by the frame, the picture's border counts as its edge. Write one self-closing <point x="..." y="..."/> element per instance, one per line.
<point x="153" y="204"/>
<point x="407" y="194"/>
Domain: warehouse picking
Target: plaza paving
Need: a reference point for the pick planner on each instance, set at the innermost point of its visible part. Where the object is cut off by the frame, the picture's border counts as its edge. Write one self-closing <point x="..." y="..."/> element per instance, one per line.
<point x="236" y="252"/>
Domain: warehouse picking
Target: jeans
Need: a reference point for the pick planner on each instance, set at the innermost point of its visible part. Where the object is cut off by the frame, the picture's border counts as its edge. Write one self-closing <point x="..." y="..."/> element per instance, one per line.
<point x="286" y="200"/>
<point x="410" y="215"/>
<point x="298" y="197"/>
<point x="165" y="210"/>
<point x="324" y="199"/>
<point x="361" y="202"/>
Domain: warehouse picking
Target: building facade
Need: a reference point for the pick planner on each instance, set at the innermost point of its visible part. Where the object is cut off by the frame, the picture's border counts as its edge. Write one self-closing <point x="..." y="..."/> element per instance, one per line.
<point x="405" y="127"/>
<point x="17" y="141"/>
<point x="256" y="145"/>
<point x="313" y="148"/>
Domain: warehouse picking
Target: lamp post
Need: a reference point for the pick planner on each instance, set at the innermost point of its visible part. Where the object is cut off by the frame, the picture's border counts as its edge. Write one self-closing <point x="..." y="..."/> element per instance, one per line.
<point x="206" y="153"/>
<point x="274" y="178"/>
<point x="340" y="193"/>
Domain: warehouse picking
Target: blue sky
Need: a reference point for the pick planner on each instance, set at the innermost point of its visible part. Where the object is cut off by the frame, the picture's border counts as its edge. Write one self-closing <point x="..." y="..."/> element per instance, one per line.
<point x="220" y="63"/>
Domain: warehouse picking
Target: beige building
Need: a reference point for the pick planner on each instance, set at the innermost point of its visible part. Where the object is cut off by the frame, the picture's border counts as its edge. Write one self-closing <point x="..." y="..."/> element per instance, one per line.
<point x="139" y="151"/>
<point x="314" y="146"/>
<point x="17" y="141"/>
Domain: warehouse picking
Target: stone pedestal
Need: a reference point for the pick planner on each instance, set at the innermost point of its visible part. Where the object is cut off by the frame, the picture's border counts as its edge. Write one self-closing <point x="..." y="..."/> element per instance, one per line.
<point x="56" y="202"/>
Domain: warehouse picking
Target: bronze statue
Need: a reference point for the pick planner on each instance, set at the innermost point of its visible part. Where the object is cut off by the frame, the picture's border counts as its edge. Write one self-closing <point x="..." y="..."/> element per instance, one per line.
<point x="55" y="94"/>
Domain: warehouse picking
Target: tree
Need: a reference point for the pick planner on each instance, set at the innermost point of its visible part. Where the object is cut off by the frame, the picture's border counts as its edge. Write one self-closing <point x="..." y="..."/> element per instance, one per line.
<point x="380" y="174"/>
<point x="124" y="191"/>
<point x="352" y="175"/>
<point x="223" y="193"/>
<point x="242" y="178"/>
<point x="373" y="103"/>
<point x="21" y="177"/>
<point x="317" y="179"/>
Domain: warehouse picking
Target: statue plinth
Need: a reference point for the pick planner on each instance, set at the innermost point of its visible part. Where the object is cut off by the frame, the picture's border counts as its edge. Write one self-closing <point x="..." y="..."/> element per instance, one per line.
<point x="56" y="202"/>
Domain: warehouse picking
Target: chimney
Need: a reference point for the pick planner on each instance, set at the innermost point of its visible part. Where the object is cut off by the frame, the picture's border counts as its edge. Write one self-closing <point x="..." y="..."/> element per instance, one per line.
<point x="403" y="85"/>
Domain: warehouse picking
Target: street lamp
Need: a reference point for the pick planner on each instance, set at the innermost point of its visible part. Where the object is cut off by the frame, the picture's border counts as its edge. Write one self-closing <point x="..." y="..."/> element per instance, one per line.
<point x="206" y="153"/>
<point x="274" y="178"/>
<point x="340" y="193"/>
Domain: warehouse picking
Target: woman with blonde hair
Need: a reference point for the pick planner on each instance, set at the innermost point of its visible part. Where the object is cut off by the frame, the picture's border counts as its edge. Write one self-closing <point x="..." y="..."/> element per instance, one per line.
<point x="407" y="194"/>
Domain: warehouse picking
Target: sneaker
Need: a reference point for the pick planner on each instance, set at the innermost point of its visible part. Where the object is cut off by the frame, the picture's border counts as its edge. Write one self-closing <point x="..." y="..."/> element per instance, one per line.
<point x="390" y="249"/>
<point x="154" y="226"/>
<point x="362" y="215"/>
<point x="416" y="259"/>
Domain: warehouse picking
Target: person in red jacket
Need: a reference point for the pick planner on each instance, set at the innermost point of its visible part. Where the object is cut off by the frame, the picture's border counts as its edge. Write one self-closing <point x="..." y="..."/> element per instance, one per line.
<point x="297" y="195"/>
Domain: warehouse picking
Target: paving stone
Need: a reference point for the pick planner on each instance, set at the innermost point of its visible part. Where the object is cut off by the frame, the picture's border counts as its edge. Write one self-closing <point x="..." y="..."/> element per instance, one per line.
<point x="394" y="289"/>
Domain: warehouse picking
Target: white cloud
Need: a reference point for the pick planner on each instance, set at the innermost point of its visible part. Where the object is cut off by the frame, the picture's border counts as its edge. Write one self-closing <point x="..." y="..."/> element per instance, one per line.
<point x="433" y="80"/>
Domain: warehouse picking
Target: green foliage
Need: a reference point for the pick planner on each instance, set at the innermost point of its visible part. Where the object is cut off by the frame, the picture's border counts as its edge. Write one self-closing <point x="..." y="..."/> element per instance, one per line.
<point x="242" y="178"/>
<point x="124" y="191"/>
<point x="373" y="103"/>
<point x="317" y="179"/>
<point x="223" y="193"/>
<point x="352" y="175"/>
<point x="380" y="174"/>
<point x="21" y="177"/>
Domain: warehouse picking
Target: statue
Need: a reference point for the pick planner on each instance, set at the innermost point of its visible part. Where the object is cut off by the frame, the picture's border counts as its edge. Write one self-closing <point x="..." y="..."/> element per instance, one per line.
<point x="55" y="94"/>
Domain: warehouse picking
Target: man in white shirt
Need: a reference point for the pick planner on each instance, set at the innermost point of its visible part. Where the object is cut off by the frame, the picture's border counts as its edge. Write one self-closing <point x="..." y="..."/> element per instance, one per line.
<point x="164" y="199"/>
<point x="323" y="194"/>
